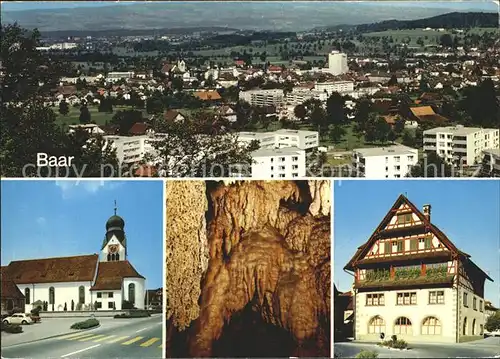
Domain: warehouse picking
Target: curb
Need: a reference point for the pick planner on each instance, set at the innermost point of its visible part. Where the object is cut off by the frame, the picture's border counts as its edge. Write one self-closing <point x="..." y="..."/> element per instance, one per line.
<point x="51" y="337"/>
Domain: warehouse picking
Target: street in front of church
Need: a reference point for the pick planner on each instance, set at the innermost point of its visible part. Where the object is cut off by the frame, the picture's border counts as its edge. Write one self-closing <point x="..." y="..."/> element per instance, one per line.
<point x="134" y="338"/>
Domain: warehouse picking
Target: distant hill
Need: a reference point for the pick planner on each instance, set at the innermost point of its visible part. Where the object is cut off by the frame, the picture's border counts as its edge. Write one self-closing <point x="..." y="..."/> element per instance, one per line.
<point x="272" y="15"/>
<point x="454" y="20"/>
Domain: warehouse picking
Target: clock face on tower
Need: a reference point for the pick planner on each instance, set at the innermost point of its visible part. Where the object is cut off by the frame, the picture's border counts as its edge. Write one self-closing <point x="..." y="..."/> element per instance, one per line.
<point x="113" y="248"/>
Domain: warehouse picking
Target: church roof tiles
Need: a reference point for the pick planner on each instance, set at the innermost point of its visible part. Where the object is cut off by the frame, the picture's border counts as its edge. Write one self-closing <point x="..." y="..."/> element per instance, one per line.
<point x="53" y="270"/>
<point x="110" y="275"/>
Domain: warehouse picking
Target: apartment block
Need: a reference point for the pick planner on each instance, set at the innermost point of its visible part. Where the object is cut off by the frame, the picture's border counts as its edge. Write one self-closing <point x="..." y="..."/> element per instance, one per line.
<point x="129" y="149"/>
<point x="301" y="95"/>
<point x="304" y="140"/>
<point x="342" y="87"/>
<point x="261" y="98"/>
<point x="287" y="162"/>
<point x="459" y="144"/>
<point x="384" y="162"/>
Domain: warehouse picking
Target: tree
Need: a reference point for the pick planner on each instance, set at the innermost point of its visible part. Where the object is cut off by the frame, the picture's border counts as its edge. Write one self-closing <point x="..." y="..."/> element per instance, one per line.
<point x="177" y="83"/>
<point x="481" y="104"/>
<point x="125" y="120"/>
<point x="85" y="116"/>
<point x="393" y="81"/>
<point x="106" y="105"/>
<point x="335" y="109"/>
<point x="200" y="148"/>
<point x="446" y="40"/>
<point x="300" y="112"/>
<point x="65" y="306"/>
<point x="493" y="322"/>
<point x="336" y="133"/>
<point x="408" y="139"/>
<point x="63" y="108"/>
<point x="72" y="305"/>
<point x="431" y="165"/>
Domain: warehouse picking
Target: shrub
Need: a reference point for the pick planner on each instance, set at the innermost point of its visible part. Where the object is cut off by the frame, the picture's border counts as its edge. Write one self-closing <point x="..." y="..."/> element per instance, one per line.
<point x="367" y="354"/>
<point x="400" y="344"/>
<point x="493" y="322"/>
<point x="86" y="324"/>
<point x="394" y="338"/>
<point x="127" y="305"/>
<point x="12" y="328"/>
<point x="36" y="311"/>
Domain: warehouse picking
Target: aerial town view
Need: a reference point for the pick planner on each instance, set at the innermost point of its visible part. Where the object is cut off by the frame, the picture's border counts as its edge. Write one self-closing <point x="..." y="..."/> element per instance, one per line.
<point x="81" y="269"/>
<point x="418" y="276"/>
<point x="267" y="90"/>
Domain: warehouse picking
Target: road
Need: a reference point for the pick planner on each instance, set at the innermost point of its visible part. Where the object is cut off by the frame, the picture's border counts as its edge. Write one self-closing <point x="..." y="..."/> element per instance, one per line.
<point x="485" y="348"/>
<point x="138" y="338"/>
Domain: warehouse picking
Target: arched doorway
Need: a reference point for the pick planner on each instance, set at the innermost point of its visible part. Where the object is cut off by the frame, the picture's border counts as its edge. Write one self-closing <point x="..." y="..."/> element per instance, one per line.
<point x="474" y="327"/>
<point x="464" y="329"/>
<point x="131" y="293"/>
<point x="431" y="326"/>
<point x="403" y="326"/>
<point x="376" y="325"/>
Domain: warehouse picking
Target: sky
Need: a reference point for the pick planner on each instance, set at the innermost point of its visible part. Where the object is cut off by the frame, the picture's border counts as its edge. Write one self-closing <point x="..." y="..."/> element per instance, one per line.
<point x="467" y="211"/>
<point x="41" y="219"/>
<point x="487" y="5"/>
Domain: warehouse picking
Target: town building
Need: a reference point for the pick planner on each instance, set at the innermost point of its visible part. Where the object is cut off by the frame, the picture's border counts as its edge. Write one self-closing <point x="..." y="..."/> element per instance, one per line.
<point x="129" y="149"/>
<point x="289" y="162"/>
<point x="342" y="87"/>
<point x="459" y="144"/>
<point x="384" y="162"/>
<point x="337" y="63"/>
<point x="300" y="95"/>
<point x="10" y="297"/>
<point x="104" y="281"/>
<point x="261" y="98"/>
<point x="282" y="138"/>
<point x="117" y="76"/>
<point x="490" y="165"/>
<point x="411" y="281"/>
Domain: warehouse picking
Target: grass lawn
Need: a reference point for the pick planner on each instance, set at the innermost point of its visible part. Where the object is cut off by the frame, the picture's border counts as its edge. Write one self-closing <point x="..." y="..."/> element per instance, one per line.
<point x="100" y="118"/>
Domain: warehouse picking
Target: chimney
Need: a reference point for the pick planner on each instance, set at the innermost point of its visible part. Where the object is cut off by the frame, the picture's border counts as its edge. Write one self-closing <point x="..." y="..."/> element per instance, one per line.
<point x="427" y="211"/>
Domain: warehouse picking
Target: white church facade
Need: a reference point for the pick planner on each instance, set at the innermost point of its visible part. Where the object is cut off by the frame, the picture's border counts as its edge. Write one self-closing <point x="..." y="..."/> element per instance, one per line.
<point x="105" y="281"/>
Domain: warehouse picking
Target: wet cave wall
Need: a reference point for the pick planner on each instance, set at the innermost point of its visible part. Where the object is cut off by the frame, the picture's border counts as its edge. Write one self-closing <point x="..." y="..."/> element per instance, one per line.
<point x="248" y="268"/>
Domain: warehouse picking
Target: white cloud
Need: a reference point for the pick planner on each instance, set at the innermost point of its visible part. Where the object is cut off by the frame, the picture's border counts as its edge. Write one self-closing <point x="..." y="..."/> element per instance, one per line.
<point x="71" y="188"/>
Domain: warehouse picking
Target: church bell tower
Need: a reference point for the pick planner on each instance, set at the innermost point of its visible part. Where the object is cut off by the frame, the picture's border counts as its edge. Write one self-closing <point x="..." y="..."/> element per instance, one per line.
<point x="114" y="245"/>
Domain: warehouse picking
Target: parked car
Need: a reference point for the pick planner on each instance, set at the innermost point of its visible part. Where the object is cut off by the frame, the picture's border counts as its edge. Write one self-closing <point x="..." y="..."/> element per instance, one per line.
<point x="18" y="318"/>
<point x="496" y="333"/>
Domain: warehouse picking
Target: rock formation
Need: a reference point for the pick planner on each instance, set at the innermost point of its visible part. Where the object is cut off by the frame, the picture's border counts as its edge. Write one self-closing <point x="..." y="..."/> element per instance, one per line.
<point x="268" y="246"/>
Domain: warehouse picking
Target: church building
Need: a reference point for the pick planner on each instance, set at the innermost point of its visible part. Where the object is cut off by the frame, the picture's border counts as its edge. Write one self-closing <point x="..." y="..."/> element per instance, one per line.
<point x="105" y="281"/>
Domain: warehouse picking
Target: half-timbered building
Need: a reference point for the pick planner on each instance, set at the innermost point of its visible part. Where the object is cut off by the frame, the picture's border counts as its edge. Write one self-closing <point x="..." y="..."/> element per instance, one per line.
<point x="413" y="282"/>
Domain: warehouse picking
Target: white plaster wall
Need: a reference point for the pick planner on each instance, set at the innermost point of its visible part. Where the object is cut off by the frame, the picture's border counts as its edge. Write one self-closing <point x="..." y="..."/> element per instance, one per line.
<point x="470" y="314"/>
<point x="261" y="167"/>
<point x="140" y="291"/>
<point x="64" y="293"/>
<point x="416" y="313"/>
<point x="105" y="250"/>
<point x="105" y="299"/>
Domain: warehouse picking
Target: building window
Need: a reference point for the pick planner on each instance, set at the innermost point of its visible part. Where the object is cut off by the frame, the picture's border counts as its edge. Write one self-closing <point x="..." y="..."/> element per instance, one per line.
<point x="376" y="325"/>
<point x="81" y="294"/>
<point x="481" y="306"/>
<point x="403" y="326"/>
<point x="111" y="305"/>
<point x="117" y="256"/>
<point x="272" y="168"/>
<point x="295" y="159"/>
<point x="481" y="329"/>
<point x="428" y="243"/>
<point x="52" y="295"/>
<point x="397" y="246"/>
<point x="464" y="329"/>
<point x="387" y="247"/>
<point x="474" y="327"/>
<point x="436" y="297"/>
<point x="431" y="326"/>
<point x="282" y="175"/>
<point x="466" y="302"/>
<point x="282" y="159"/>
<point x="404" y="218"/>
<point x="110" y="294"/>
<point x="375" y="299"/>
<point x="474" y="303"/>
<point x="131" y="293"/>
<point x="27" y="295"/>
<point x="99" y="295"/>
<point x="407" y="298"/>
<point x="109" y="257"/>
<point x="413" y="244"/>
<point x="98" y="305"/>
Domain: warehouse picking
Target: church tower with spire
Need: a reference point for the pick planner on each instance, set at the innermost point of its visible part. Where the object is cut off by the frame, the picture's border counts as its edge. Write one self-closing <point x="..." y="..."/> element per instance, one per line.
<point x="114" y="245"/>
